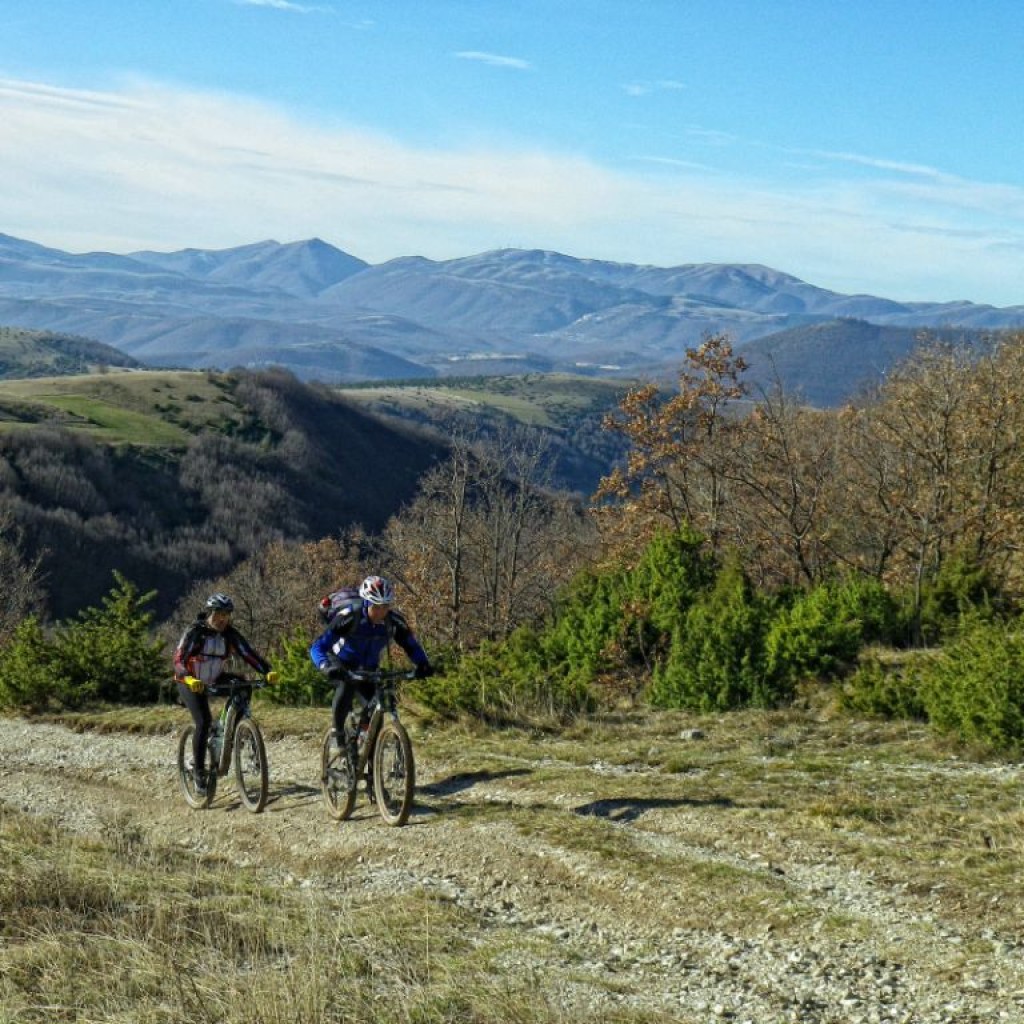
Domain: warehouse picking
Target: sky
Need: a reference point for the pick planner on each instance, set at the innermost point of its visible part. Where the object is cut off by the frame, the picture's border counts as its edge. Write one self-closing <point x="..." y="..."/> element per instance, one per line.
<point x="872" y="147"/>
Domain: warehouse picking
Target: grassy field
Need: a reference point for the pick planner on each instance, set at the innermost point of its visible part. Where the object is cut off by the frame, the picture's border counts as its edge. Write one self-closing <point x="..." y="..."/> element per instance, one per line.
<point x="541" y="400"/>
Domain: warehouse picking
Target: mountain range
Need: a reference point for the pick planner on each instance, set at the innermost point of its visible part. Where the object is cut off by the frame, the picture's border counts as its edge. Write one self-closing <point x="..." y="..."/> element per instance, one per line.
<point x="325" y="314"/>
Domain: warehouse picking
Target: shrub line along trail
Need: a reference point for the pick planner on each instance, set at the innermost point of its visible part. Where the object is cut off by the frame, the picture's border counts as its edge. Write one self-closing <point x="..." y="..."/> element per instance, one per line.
<point x="696" y="892"/>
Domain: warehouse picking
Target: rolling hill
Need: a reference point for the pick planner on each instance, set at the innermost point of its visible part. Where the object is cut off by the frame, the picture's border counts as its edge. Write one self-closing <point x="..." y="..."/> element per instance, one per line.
<point x="26" y="353"/>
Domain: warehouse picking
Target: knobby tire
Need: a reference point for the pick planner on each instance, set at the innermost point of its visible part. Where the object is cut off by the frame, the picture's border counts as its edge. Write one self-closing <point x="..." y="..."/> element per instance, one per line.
<point x="339" y="797"/>
<point x="252" y="773"/>
<point x="186" y="775"/>
<point x="394" y="773"/>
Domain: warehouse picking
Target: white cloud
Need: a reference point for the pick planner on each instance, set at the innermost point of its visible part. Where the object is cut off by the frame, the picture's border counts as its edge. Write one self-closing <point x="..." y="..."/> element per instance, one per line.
<point x="281" y="5"/>
<point x="494" y="60"/>
<point x="150" y="167"/>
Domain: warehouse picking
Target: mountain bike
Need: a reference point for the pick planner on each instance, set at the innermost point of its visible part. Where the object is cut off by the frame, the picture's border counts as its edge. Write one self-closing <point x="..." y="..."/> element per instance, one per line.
<point x="385" y="758"/>
<point x="234" y="737"/>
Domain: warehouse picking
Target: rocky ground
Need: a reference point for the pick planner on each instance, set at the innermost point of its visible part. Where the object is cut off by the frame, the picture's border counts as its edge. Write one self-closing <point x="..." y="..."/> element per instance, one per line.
<point x="606" y="927"/>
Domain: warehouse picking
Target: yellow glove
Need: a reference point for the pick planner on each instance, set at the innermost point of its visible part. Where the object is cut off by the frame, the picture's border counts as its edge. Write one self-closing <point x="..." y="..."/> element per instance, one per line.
<point x="195" y="685"/>
<point x="272" y="677"/>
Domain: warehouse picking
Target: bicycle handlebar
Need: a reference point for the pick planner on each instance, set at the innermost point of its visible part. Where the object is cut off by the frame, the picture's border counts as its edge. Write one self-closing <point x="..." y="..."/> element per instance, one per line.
<point x="228" y="685"/>
<point x="380" y="675"/>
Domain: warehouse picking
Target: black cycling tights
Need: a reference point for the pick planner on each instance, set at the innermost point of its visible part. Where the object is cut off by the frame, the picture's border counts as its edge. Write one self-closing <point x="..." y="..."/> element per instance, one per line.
<point x="343" y="698"/>
<point x="198" y="705"/>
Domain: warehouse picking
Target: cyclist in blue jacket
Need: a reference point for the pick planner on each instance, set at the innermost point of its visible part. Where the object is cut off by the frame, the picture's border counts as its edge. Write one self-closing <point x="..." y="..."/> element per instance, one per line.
<point x="355" y="638"/>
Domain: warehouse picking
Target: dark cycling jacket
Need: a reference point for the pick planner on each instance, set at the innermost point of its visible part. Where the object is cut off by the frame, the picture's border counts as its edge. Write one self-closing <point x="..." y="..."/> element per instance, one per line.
<point x="357" y="642"/>
<point x="202" y="651"/>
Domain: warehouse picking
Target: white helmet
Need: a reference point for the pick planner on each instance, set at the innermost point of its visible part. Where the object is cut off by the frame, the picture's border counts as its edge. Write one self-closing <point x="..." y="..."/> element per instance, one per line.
<point x="377" y="590"/>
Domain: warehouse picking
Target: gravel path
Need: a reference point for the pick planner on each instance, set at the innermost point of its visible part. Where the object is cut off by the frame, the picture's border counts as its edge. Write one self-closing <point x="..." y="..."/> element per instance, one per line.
<point x="907" y="962"/>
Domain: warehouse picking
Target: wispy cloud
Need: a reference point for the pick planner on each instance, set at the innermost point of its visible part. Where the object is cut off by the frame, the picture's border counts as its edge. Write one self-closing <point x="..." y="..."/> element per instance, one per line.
<point x="668" y="161"/>
<point x="282" y="5"/>
<point x="901" y="167"/>
<point x="646" y="88"/>
<point x="711" y="135"/>
<point x="495" y="60"/>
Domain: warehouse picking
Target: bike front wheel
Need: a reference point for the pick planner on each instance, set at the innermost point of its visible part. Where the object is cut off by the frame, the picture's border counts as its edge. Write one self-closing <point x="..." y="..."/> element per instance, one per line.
<point x="336" y="780"/>
<point x="186" y="772"/>
<point x="394" y="773"/>
<point x="251" y="771"/>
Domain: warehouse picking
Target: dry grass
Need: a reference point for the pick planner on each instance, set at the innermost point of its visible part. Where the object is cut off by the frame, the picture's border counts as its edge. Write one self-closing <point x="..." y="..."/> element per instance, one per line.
<point x="119" y="931"/>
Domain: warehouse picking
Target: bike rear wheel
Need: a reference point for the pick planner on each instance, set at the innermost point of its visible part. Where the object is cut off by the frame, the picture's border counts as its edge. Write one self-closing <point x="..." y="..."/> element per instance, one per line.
<point x="394" y="773"/>
<point x="186" y="772"/>
<point x="251" y="770"/>
<point x="336" y="779"/>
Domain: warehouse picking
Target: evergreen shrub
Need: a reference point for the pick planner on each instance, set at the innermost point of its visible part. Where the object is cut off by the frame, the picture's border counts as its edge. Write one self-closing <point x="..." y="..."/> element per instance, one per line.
<point x="610" y="622"/>
<point x="961" y="590"/>
<point x="106" y="654"/>
<point x="510" y="680"/>
<point x="28" y="681"/>
<point x="300" y="682"/>
<point x="974" y="688"/>
<point x="820" y="632"/>
<point x="890" y="691"/>
<point x="717" y="659"/>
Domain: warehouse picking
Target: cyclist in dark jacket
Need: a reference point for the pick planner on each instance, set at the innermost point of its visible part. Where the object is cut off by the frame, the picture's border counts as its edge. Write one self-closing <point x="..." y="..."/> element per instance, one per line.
<point x="199" y="661"/>
<point x="355" y="639"/>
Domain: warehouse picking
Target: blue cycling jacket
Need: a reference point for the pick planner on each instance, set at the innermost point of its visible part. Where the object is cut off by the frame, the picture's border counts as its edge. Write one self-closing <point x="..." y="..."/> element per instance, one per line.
<point x="358" y="643"/>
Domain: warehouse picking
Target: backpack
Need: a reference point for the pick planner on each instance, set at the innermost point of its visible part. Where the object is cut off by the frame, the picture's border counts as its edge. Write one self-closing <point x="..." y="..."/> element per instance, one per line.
<point x="345" y="600"/>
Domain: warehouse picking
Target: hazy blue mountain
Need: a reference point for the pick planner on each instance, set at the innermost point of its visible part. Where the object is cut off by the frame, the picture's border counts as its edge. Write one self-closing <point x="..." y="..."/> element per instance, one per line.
<point x="828" y="363"/>
<point x="298" y="268"/>
<point x="324" y="313"/>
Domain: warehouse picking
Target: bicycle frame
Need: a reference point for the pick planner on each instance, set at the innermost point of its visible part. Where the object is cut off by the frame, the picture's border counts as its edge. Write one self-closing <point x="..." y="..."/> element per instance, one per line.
<point x="238" y="705"/>
<point x="384" y="702"/>
<point x="235" y="738"/>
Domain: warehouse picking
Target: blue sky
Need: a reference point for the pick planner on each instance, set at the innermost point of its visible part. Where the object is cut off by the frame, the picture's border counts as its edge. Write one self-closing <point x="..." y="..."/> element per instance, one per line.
<point x="867" y="147"/>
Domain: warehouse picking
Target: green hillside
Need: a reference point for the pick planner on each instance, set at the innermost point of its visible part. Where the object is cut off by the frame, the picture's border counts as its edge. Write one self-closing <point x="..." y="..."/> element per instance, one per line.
<point x="162" y="408"/>
<point x="25" y="353"/>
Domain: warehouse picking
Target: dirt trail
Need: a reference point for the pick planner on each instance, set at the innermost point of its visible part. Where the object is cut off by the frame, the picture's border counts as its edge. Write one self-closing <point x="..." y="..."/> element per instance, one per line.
<point x="594" y="906"/>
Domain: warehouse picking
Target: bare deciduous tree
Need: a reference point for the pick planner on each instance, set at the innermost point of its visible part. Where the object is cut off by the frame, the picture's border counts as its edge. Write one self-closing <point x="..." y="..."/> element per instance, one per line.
<point x="480" y="545"/>
<point x="21" y="591"/>
<point x="676" y="470"/>
<point x="782" y="467"/>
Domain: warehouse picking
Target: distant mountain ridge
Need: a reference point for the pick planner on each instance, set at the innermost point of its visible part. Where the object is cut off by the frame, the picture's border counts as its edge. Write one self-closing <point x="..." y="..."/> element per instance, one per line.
<point x="326" y="314"/>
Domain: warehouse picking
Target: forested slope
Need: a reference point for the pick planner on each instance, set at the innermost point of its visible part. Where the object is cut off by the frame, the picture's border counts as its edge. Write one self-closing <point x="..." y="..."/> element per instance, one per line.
<point x="172" y="478"/>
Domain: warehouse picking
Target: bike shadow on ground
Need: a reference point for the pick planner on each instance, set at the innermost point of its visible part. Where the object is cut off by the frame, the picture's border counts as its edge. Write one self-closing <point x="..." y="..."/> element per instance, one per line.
<point x="295" y="792"/>
<point x="627" y="810"/>
<point x="291" y="793"/>
<point x="462" y="781"/>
